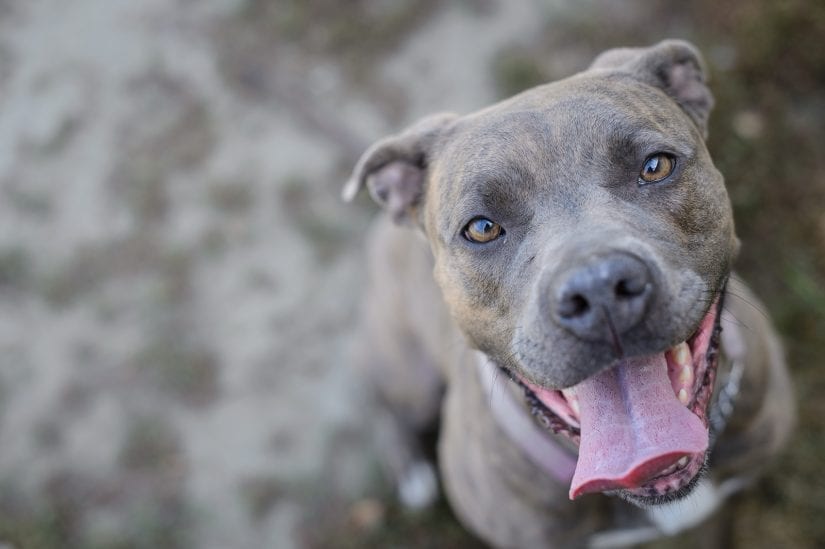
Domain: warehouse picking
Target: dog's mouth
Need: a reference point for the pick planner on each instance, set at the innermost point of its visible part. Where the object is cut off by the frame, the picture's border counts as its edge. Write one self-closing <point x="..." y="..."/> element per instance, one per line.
<point x="641" y="425"/>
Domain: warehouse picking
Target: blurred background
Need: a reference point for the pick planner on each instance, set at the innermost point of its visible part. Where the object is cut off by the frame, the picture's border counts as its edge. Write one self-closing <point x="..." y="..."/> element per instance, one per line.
<point x="179" y="279"/>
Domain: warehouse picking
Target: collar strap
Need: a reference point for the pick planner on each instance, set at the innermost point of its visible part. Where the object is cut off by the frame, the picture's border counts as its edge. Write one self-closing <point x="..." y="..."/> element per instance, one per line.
<point x="536" y="443"/>
<point x="734" y="351"/>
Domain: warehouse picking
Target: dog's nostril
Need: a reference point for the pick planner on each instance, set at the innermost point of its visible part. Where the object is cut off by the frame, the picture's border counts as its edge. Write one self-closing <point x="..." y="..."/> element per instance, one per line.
<point x="573" y="306"/>
<point x="627" y="288"/>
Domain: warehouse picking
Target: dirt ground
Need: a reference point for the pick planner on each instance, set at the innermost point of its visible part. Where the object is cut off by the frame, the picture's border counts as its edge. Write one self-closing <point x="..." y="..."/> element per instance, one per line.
<point x="179" y="278"/>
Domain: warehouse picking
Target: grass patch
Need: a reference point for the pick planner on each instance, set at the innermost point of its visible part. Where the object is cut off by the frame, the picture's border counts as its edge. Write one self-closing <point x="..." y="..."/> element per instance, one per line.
<point x="188" y="373"/>
<point x="327" y="234"/>
<point x="392" y="526"/>
<point x="261" y="494"/>
<point x="150" y="444"/>
<point x="360" y="27"/>
<point x="516" y="69"/>
<point x="231" y="198"/>
<point x="15" y="269"/>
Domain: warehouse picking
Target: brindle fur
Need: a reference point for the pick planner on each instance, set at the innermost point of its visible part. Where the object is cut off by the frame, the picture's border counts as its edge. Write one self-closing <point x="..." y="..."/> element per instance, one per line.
<point x="556" y="166"/>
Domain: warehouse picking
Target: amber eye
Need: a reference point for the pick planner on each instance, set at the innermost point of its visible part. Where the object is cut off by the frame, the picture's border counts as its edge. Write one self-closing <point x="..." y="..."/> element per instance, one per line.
<point x="657" y="167"/>
<point x="481" y="230"/>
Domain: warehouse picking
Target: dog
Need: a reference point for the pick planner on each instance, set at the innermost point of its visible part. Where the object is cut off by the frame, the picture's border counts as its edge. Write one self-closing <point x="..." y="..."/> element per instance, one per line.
<point x="552" y="284"/>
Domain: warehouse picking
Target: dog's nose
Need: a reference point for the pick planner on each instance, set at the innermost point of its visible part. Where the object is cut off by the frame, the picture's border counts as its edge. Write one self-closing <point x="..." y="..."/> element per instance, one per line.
<point x="605" y="297"/>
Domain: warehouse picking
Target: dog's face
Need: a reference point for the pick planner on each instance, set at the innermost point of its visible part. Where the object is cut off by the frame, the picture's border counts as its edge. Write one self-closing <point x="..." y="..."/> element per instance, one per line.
<point x="581" y="238"/>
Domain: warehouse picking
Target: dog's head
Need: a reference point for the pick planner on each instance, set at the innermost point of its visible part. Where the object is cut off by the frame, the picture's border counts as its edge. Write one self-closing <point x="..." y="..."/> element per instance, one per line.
<point x="582" y="237"/>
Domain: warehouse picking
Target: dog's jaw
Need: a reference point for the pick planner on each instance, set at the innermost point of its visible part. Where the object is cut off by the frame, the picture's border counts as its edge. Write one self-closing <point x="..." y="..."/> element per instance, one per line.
<point x="663" y="476"/>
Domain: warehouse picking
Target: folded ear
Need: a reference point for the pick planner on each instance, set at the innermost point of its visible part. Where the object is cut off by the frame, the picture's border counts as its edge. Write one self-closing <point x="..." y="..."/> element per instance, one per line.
<point x="675" y="66"/>
<point x="395" y="168"/>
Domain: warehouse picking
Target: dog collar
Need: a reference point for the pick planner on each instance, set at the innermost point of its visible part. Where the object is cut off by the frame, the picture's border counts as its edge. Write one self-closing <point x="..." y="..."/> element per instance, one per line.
<point x="733" y="346"/>
<point x="520" y="427"/>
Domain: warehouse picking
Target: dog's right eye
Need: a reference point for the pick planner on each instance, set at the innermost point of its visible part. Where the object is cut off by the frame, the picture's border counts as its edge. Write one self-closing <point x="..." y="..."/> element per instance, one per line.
<point x="481" y="230"/>
<point x="656" y="168"/>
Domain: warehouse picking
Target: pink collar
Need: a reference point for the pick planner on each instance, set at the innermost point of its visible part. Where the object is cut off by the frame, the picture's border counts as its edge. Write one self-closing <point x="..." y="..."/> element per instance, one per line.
<point x="519" y="426"/>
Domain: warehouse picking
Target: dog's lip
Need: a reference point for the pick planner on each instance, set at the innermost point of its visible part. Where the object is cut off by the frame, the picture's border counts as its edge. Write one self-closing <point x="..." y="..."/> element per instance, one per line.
<point x="666" y="475"/>
<point x="557" y="412"/>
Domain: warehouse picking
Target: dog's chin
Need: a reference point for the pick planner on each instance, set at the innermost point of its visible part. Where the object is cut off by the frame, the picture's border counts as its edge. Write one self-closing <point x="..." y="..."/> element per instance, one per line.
<point x="691" y="369"/>
<point x="655" y="497"/>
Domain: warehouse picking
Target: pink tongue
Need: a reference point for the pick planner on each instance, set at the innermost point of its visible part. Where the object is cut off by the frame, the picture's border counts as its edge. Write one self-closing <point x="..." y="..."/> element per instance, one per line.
<point x="632" y="426"/>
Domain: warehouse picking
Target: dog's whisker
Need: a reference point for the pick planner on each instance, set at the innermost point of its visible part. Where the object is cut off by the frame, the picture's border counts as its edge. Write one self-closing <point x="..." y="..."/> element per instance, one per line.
<point x="750" y="303"/>
<point x="732" y="318"/>
<point x="496" y="378"/>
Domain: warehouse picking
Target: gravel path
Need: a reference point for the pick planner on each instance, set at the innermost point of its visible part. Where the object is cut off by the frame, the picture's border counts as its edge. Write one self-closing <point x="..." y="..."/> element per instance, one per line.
<point x="178" y="275"/>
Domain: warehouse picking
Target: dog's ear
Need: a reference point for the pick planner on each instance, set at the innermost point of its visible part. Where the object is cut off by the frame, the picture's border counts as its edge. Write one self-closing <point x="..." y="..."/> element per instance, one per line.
<point x="395" y="168"/>
<point x="674" y="66"/>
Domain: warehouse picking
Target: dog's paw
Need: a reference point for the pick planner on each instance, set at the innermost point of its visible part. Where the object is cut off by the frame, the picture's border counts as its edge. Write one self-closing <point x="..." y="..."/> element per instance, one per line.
<point x="418" y="487"/>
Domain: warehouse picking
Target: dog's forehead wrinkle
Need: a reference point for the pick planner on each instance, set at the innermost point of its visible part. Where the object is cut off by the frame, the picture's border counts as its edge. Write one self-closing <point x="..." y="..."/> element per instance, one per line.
<point x="559" y="139"/>
<point x="501" y="190"/>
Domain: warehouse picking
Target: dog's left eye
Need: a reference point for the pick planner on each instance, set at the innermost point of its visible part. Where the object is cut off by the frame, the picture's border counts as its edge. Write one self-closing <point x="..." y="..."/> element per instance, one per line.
<point x="481" y="230"/>
<point x="657" y="167"/>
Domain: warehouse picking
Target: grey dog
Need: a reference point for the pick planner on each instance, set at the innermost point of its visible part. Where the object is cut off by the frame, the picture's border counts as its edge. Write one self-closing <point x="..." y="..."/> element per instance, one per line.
<point x="569" y="317"/>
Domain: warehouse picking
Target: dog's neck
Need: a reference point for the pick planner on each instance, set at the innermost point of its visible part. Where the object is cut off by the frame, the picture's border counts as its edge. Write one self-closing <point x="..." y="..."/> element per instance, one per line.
<point x="538" y="444"/>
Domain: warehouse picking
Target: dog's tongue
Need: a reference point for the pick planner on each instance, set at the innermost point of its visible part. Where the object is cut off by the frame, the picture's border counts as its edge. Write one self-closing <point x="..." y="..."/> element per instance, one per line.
<point x="632" y="426"/>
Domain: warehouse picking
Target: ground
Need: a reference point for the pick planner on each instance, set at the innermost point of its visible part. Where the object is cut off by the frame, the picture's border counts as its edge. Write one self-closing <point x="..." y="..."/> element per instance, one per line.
<point x="179" y="279"/>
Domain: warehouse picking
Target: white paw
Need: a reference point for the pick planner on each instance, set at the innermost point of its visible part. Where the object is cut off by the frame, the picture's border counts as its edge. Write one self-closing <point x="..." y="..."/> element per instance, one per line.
<point x="418" y="487"/>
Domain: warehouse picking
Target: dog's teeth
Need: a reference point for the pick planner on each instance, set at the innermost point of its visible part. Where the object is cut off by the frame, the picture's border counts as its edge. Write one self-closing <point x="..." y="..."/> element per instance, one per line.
<point x="574" y="405"/>
<point x="683" y="397"/>
<point x="572" y="400"/>
<point x="681" y="354"/>
<point x="682" y="462"/>
<point x="686" y="376"/>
